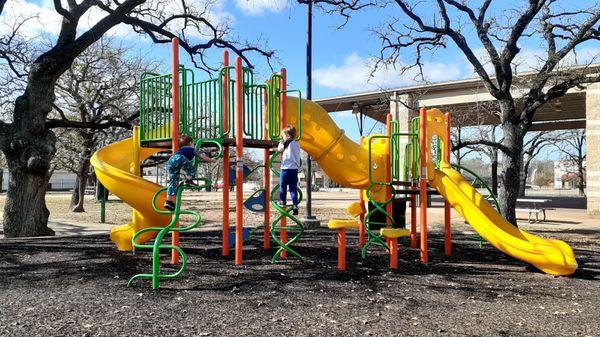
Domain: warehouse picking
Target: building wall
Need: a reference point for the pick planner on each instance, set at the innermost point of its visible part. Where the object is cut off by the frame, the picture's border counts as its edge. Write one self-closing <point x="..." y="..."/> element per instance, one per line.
<point x="592" y="134"/>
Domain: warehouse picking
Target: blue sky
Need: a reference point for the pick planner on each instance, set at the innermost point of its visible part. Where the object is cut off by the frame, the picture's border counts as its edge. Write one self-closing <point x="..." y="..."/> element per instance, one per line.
<point x="340" y="56"/>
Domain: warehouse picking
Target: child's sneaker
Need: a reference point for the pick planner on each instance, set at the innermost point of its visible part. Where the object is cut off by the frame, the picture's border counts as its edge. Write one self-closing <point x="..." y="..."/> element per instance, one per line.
<point x="295" y="211"/>
<point x="190" y="183"/>
<point x="280" y="203"/>
<point x="169" y="205"/>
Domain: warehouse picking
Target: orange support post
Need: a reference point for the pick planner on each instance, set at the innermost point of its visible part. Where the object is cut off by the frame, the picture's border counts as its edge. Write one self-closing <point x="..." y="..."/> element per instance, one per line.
<point x="342" y="249"/>
<point x="447" y="224"/>
<point x="267" y="215"/>
<point x="361" y="198"/>
<point x="423" y="181"/>
<point x="393" y="253"/>
<point x="388" y="178"/>
<point x="175" y="126"/>
<point x="239" y="165"/>
<point x="282" y="121"/>
<point x="225" y="106"/>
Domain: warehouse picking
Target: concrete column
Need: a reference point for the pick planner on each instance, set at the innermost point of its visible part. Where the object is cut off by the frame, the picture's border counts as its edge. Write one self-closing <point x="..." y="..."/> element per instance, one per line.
<point x="399" y="109"/>
<point x="592" y="134"/>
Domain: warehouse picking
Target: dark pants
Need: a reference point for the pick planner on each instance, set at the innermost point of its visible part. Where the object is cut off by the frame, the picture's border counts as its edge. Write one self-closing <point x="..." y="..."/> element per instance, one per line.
<point x="289" y="178"/>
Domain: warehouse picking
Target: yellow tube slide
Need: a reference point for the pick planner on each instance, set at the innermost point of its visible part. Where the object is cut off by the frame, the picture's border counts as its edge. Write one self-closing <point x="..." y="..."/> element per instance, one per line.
<point x="115" y="166"/>
<point x="344" y="161"/>
<point x="551" y="256"/>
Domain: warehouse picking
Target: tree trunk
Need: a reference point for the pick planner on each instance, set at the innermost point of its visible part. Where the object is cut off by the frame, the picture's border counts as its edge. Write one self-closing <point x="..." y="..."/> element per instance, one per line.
<point x="25" y="212"/>
<point x="495" y="177"/>
<point x="1" y="180"/>
<point x="78" y="195"/>
<point x="511" y="168"/>
<point x="28" y="151"/>
<point x="523" y="177"/>
<point x="83" y="171"/>
<point x="581" y="182"/>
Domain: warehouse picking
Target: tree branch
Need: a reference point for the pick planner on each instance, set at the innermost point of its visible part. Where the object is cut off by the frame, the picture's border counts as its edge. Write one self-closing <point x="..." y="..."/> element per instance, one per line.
<point x="62" y="123"/>
<point x="497" y="145"/>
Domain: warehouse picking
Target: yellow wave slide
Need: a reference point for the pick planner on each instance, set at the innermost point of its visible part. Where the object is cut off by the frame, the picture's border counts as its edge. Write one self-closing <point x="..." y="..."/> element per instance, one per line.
<point x="551" y="256"/>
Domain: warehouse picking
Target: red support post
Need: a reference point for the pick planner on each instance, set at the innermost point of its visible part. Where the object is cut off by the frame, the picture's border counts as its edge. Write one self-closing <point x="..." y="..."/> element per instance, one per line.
<point x="447" y="223"/>
<point x="423" y="181"/>
<point x="267" y="215"/>
<point x="342" y="249"/>
<point x="225" y="106"/>
<point x="393" y="253"/>
<point x="282" y="121"/>
<point x="239" y="165"/>
<point x="175" y="126"/>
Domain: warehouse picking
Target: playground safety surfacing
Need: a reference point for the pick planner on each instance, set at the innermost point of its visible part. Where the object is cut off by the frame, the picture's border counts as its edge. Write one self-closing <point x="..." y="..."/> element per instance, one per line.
<point x="76" y="286"/>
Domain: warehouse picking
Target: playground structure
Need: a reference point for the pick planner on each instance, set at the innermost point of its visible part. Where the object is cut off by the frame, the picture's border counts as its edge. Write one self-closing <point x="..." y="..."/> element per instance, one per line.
<point x="234" y="111"/>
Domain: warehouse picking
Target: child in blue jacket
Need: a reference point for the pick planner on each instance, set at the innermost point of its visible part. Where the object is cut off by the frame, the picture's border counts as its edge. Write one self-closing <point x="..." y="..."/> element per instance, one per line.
<point x="182" y="160"/>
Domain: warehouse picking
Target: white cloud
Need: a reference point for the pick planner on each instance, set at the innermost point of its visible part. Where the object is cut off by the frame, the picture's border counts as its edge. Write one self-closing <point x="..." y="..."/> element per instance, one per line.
<point x="355" y="74"/>
<point x="42" y="19"/>
<point x="45" y="19"/>
<point x="259" y="7"/>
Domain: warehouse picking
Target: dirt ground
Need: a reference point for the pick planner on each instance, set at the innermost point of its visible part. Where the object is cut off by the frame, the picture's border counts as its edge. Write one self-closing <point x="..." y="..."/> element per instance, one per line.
<point x="76" y="285"/>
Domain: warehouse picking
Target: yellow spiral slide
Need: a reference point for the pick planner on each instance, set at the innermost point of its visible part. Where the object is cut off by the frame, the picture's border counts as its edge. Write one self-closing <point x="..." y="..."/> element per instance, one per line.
<point x="117" y="168"/>
<point x="342" y="159"/>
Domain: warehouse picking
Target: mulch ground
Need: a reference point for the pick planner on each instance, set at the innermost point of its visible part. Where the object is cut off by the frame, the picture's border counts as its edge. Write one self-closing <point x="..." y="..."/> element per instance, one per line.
<point x="76" y="286"/>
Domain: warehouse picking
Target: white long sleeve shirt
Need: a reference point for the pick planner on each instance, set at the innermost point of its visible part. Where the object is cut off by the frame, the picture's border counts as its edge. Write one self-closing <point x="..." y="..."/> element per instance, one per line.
<point x="290" y="159"/>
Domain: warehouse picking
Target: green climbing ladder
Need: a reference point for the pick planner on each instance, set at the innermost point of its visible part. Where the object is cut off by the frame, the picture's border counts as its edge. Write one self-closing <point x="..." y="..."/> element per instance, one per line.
<point x="157" y="246"/>
<point x="379" y="206"/>
<point x="297" y="229"/>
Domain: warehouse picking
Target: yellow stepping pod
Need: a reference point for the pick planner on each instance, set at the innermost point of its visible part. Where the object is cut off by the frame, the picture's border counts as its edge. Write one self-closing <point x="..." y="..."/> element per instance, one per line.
<point x="394" y="233"/>
<point x="342" y="223"/>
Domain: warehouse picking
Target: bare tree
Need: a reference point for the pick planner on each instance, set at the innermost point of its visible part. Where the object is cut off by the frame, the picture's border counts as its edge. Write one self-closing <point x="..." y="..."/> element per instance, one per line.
<point x="572" y="147"/>
<point x="427" y="26"/>
<point x="100" y="90"/>
<point x="28" y="141"/>
<point x="531" y="148"/>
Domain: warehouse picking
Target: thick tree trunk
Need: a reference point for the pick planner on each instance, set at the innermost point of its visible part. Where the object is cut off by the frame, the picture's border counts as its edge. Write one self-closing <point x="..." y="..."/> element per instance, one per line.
<point x="25" y="212"/>
<point x="511" y="168"/>
<point x="1" y="180"/>
<point x="28" y="151"/>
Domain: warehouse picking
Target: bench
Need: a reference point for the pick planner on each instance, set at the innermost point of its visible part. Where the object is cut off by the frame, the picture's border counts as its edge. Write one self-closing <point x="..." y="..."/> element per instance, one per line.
<point x="90" y="190"/>
<point x="534" y="210"/>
